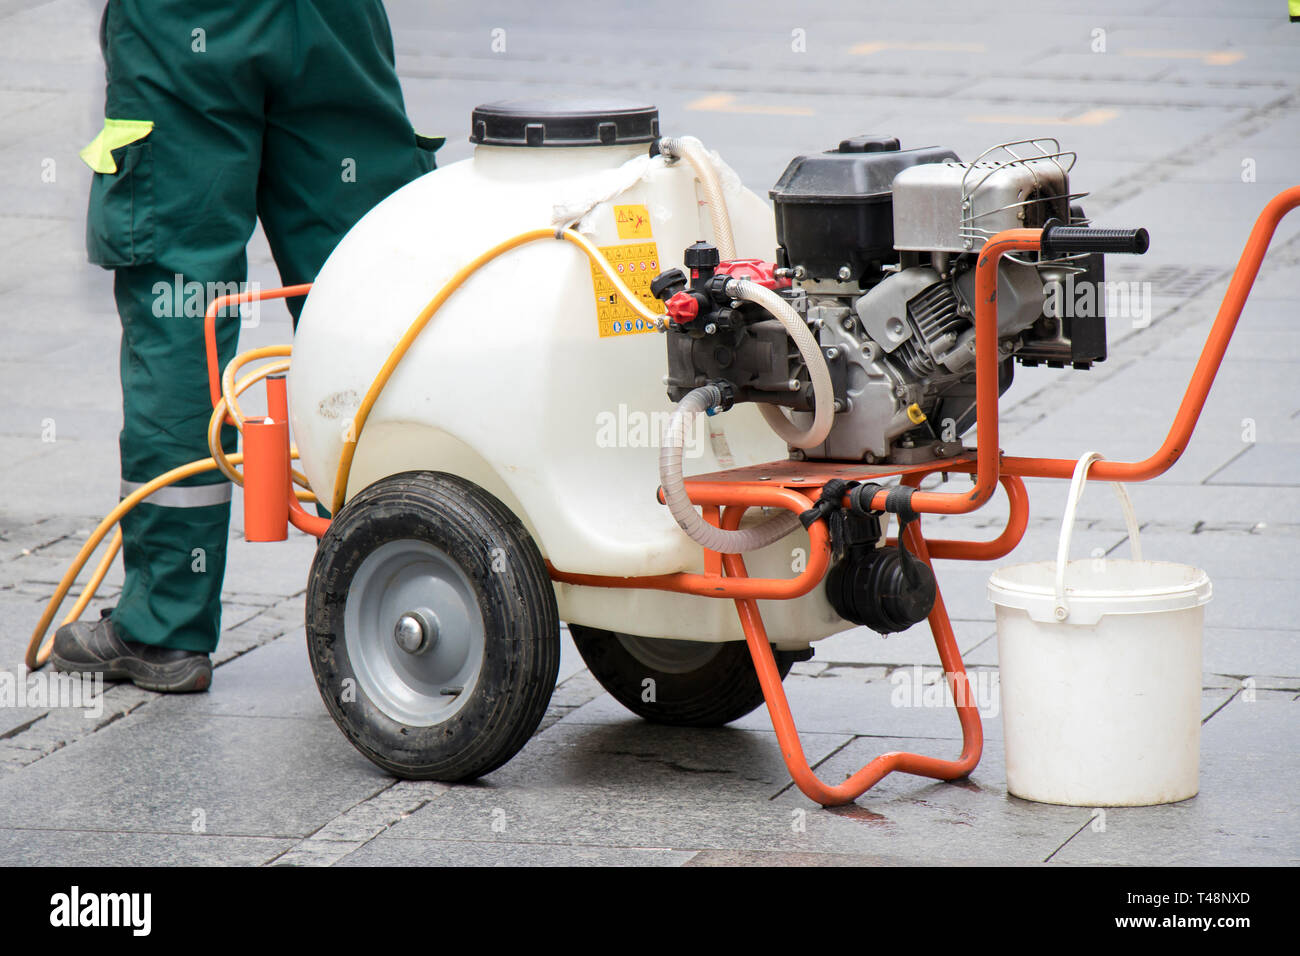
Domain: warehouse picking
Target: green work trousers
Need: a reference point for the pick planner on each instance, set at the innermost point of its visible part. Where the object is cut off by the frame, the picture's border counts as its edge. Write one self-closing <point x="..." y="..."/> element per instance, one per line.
<point x="219" y="113"/>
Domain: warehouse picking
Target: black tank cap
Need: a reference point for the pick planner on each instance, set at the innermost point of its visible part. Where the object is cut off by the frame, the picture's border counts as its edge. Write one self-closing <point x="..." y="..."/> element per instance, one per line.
<point x="563" y="123"/>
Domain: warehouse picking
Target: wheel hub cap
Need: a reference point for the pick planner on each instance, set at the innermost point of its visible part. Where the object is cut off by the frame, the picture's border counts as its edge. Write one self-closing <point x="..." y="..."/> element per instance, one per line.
<point x="416" y="631"/>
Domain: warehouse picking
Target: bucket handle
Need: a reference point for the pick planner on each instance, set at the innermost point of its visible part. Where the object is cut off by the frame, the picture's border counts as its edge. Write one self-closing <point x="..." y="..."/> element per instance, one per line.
<point x="1077" y="483"/>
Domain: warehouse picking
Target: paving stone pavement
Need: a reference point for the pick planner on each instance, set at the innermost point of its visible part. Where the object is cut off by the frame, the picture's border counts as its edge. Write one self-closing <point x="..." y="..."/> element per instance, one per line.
<point x="1186" y="118"/>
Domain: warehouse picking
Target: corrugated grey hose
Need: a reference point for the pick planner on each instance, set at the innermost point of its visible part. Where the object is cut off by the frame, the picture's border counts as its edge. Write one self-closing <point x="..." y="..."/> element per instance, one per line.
<point x="692" y="150"/>
<point x="698" y="402"/>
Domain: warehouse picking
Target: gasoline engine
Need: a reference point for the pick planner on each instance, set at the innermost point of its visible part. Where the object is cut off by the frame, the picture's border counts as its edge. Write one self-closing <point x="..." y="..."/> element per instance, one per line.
<point x="876" y="256"/>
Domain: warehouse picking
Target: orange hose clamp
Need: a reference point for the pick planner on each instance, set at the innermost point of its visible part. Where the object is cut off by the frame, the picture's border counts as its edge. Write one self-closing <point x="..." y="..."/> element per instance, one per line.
<point x="266" y="480"/>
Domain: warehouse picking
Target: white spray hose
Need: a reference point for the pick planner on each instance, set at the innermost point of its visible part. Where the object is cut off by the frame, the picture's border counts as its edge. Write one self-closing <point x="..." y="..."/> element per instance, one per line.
<point x="692" y="150"/>
<point x="823" y="393"/>
<point x="710" y="536"/>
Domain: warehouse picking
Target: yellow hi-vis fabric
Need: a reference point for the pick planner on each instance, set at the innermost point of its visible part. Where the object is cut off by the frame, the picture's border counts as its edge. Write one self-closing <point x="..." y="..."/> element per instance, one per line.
<point x="1294" y="6"/>
<point x="116" y="133"/>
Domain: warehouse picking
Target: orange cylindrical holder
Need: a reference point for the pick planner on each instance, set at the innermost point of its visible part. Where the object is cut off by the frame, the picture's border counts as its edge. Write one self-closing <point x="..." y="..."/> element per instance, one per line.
<point x="266" y="480"/>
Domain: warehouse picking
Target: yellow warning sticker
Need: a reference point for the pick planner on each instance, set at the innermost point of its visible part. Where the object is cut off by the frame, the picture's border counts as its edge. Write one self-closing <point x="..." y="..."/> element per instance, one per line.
<point x="633" y="222"/>
<point x="636" y="264"/>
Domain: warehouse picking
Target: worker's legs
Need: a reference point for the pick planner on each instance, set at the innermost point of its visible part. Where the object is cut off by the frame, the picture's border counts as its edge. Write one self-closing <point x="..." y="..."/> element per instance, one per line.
<point x="172" y="207"/>
<point x="338" y="139"/>
<point x="171" y="213"/>
<point x="174" y="544"/>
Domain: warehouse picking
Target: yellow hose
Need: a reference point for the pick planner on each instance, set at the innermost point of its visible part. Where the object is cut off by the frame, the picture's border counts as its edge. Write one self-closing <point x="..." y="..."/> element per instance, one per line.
<point x="95" y="579"/>
<point x="37" y="652"/>
<point x="38" y="649"/>
<point x="229" y="391"/>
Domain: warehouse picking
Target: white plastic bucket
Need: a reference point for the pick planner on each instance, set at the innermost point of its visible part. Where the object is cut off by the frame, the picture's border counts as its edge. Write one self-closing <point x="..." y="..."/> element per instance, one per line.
<point x="1100" y="672"/>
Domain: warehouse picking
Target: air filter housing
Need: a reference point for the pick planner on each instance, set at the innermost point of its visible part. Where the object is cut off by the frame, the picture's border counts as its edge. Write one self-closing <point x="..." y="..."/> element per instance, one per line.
<point x="833" y="209"/>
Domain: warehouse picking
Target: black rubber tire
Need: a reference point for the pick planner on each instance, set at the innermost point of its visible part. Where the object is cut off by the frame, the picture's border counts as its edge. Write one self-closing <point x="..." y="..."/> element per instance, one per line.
<point x="723" y="689"/>
<point x="521" y="656"/>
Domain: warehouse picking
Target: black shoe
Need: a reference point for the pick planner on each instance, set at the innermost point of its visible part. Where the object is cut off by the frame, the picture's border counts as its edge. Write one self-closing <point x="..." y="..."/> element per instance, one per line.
<point x="85" y="648"/>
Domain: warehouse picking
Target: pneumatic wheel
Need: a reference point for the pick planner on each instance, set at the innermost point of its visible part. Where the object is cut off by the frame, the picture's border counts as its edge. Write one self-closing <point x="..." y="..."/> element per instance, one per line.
<point x="684" y="683"/>
<point x="432" y="627"/>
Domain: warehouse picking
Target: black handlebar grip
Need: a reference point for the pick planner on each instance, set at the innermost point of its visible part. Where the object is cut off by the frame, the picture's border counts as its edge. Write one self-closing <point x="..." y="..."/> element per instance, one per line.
<point x="1062" y="240"/>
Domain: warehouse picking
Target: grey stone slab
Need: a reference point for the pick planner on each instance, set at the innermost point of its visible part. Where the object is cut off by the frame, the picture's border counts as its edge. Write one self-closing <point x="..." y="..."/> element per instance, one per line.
<point x="92" y="848"/>
<point x="240" y="635"/>
<point x="983" y="654"/>
<point x="278" y="568"/>
<point x="1251" y="653"/>
<point x="1213" y="699"/>
<point x="83" y="709"/>
<point x="1268" y="552"/>
<point x="84" y="473"/>
<point x="770" y="858"/>
<point x="372" y="816"/>
<point x="387" y="851"/>
<point x="631" y="784"/>
<point x="361" y="823"/>
<point x="1250" y="603"/>
<point x="916" y="820"/>
<point x="575" y="691"/>
<point x="1142" y="398"/>
<point x="1270" y="464"/>
<point x="316" y="853"/>
<point x="273" y="680"/>
<point x="153" y="771"/>
<point x="1226" y="166"/>
<point x="1244" y="814"/>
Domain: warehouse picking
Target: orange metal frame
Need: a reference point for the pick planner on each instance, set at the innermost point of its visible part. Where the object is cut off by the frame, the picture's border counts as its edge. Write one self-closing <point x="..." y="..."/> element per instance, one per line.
<point x="725" y="496"/>
<point x="796" y="485"/>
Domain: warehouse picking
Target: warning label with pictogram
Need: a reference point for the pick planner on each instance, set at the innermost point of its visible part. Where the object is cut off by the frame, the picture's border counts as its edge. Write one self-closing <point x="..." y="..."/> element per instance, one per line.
<point x="636" y="264"/>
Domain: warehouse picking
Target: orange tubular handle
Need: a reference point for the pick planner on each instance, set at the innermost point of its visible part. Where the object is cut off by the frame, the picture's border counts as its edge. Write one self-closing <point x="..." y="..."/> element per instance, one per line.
<point x="1207" y="366"/>
<point x="210" y="326"/>
<point x="999" y="547"/>
<point x="787" y="735"/>
<point x="738" y="500"/>
<point x="307" y="523"/>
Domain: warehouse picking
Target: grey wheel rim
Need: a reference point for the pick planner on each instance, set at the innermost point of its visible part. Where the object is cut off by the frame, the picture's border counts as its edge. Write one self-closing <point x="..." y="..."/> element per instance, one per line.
<point x="414" y="632"/>
<point x="669" y="657"/>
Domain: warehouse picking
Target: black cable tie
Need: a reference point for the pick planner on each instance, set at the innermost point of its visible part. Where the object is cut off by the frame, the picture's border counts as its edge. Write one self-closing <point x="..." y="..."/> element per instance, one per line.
<point x="899" y="502"/>
<point x="860" y="498"/>
<point x="829" y="502"/>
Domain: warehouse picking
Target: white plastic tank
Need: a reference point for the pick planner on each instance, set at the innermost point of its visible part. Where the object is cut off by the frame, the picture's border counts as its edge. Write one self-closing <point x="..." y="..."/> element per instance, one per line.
<point x="529" y="381"/>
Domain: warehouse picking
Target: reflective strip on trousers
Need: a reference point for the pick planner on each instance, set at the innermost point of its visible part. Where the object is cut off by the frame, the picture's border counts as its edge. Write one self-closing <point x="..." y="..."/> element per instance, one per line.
<point x="195" y="496"/>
